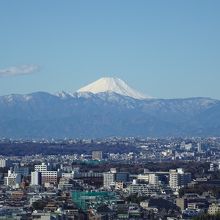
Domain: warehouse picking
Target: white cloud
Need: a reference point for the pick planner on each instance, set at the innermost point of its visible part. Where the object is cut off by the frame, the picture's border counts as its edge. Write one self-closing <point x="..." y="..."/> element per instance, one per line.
<point x="19" y="70"/>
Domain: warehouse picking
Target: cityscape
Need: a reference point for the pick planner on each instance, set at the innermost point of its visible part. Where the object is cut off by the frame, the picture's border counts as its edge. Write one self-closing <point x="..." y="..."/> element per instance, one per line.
<point x="110" y="110"/>
<point x="115" y="178"/>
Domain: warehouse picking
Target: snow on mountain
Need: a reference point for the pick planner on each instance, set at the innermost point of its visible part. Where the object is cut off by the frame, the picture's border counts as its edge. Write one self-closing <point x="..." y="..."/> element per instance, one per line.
<point x="15" y="97"/>
<point x="115" y="85"/>
<point x="64" y="95"/>
<point x="102" y="111"/>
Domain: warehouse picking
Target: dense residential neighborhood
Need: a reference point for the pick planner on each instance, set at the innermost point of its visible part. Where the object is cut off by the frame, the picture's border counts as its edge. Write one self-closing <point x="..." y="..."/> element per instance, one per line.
<point x="151" y="178"/>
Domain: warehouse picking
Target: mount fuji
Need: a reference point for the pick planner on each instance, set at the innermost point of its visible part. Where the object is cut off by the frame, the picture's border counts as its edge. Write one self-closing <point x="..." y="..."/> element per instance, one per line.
<point x="115" y="85"/>
<point x="106" y="107"/>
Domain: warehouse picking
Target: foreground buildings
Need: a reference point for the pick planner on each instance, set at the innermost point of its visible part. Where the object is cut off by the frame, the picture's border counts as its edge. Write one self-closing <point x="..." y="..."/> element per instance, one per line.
<point x="157" y="181"/>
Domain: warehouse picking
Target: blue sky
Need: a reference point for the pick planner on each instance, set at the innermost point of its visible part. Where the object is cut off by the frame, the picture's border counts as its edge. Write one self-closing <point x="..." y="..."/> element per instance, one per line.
<point x="166" y="49"/>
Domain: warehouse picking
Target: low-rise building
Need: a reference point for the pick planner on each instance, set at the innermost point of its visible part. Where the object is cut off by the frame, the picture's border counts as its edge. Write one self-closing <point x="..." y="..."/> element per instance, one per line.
<point x="97" y="155"/>
<point x="143" y="189"/>
<point x="49" y="177"/>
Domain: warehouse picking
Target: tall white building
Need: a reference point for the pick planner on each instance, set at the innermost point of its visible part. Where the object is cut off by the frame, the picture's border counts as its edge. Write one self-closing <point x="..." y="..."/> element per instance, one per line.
<point x="40" y="168"/>
<point x="153" y="179"/>
<point x="178" y="178"/>
<point x="35" y="178"/>
<point x="199" y="147"/>
<point x="108" y="179"/>
<point x="47" y="176"/>
<point x="13" y="179"/>
<point x="4" y="163"/>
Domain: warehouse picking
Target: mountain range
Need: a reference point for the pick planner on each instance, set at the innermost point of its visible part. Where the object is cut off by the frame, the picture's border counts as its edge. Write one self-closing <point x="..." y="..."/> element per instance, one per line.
<point x="107" y="107"/>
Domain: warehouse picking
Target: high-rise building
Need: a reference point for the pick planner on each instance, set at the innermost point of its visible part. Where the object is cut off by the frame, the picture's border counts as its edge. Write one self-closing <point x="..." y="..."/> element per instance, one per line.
<point x="40" y="168"/>
<point x="111" y="177"/>
<point x="153" y="179"/>
<point x="97" y="155"/>
<point x="35" y="178"/>
<point x="108" y="179"/>
<point x="46" y="175"/>
<point x="174" y="179"/>
<point x="13" y="179"/>
<point x="4" y="163"/>
<point x="178" y="178"/>
<point x="199" y="147"/>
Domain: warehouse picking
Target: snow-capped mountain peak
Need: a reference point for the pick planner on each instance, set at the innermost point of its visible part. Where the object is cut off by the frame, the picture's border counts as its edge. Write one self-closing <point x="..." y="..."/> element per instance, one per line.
<point x="111" y="84"/>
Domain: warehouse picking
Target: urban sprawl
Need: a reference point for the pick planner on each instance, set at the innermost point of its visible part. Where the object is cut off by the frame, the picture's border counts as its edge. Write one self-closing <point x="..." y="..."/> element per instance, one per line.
<point x="113" y="178"/>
